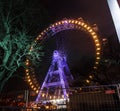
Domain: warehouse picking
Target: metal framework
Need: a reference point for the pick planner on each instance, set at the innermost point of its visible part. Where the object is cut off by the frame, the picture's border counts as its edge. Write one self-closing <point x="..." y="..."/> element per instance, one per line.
<point x="57" y="78"/>
<point x="65" y="24"/>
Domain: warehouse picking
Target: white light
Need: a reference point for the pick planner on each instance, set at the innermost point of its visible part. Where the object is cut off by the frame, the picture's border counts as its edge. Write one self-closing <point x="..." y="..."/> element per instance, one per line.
<point x="115" y="12"/>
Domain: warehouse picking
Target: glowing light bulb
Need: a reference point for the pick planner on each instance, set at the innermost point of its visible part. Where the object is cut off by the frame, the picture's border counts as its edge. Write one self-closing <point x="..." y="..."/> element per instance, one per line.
<point x="85" y="26"/>
<point x="27" y="70"/>
<point x="96" y="62"/>
<point x="82" y="23"/>
<point x="79" y="23"/>
<point x="27" y="73"/>
<point x="95" y="67"/>
<point x="92" y="33"/>
<point x="37" y="38"/>
<point x="76" y="22"/>
<point x="42" y="33"/>
<point x="87" y="81"/>
<point x="69" y="21"/>
<point x="28" y="77"/>
<point x="97" y="44"/>
<point x="30" y="83"/>
<point x="32" y="86"/>
<point x="72" y="21"/>
<point x="98" y="58"/>
<point x="97" y="53"/>
<point x="37" y="91"/>
<point x="98" y="48"/>
<point x="29" y="80"/>
<point x="27" y="63"/>
<point x="95" y="37"/>
<point x="59" y="23"/>
<point x="90" y="30"/>
<point x="90" y="77"/>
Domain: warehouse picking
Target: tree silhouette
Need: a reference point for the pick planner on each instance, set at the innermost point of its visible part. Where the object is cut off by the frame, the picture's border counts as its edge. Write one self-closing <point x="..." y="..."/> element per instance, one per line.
<point x="15" y="40"/>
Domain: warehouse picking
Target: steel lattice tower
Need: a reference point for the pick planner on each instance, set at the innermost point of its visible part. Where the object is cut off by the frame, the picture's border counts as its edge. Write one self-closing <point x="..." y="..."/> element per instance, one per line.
<point x="57" y="79"/>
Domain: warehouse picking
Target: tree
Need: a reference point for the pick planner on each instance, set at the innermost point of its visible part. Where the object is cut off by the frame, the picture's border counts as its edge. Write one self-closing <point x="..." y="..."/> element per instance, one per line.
<point x="14" y="39"/>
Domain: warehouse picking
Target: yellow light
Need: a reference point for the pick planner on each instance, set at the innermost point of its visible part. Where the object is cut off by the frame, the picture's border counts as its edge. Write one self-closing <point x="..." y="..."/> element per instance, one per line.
<point x="53" y="25"/>
<point x="69" y="21"/>
<point x="27" y="73"/>
<point x="43" y="95"/>
<point x="92" y="33"/>
<point x="90" y="77"/>
<point x="87" y="81"/>
<point x="85" y="26"/>
<point x="72" y="21"/>
<point x="82" y="23"/>
<point x="96" y="40"/>
<point x="28" y="77"/>
<point x="47" y="107"/>
<point x="80" y="89"/>
<point x="47" y="29"/>
<point x="62" y="22"/>
<point x="32" y="86"/>
<point x="37" y="91"/>
<point x="76" y="22"/>
<point x="79" y="23"/>
<point x="98" y="58"/>
<point x="97" y="44"/>
<point x="56" y="24"/>
<point x="95" y="67"/>
<point x="42" y="33"/>
<point x="97" y="53"/>
<point x="30" y="83"/>
<point x="27" y="70"/>
<point x="35" y="88"/>
<point x="29" y="80"/>
<point x="88" y="28"/>
<point x="98" y="48"/>
<point x="95" y="37"/>
<point x="27" y="63"/>
<point x="59" y="23"/>
<point x="96" y="62"/>
<point x="27" y="60"/>
<point x="39" y="36"/>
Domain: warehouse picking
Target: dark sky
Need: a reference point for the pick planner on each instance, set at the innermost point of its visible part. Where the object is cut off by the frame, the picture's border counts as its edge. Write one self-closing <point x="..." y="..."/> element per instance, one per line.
<point x="92" y="11"/>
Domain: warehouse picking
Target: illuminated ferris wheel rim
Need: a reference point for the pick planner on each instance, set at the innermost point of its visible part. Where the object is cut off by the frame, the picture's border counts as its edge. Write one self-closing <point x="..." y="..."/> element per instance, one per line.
<point x="59" y="26"/>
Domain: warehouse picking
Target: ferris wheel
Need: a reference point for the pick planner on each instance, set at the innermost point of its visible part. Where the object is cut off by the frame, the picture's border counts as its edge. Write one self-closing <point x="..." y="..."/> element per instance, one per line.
<point x="54" y="29"/>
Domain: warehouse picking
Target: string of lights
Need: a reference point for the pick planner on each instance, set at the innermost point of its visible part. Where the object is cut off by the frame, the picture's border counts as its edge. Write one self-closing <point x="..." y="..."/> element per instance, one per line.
<point x="66" y="24"/>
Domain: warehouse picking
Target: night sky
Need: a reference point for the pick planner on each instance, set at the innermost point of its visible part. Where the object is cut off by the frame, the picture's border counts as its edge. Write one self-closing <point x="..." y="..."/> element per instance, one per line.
<point x="92" y="11"/>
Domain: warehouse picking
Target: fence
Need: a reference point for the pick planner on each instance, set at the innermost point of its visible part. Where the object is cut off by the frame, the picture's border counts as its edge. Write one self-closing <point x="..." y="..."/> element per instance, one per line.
<point x="102" y="98"/>
<point x="92" y="98"/>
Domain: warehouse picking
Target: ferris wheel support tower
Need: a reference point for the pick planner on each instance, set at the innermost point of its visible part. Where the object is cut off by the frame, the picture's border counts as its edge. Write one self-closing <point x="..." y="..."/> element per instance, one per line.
<point x="57" y="78"/>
